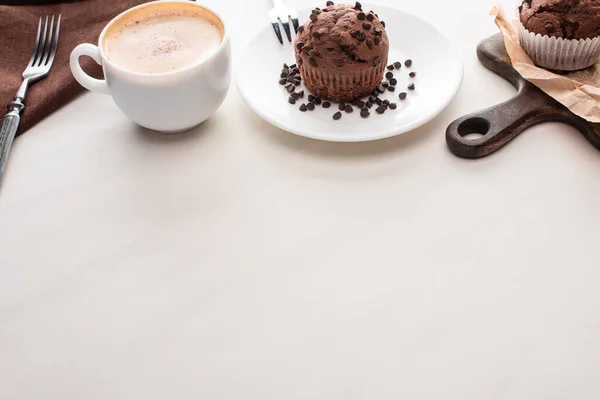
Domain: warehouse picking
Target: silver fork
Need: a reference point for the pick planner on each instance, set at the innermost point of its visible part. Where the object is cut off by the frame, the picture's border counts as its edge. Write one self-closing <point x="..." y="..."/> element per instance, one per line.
<point x="283" y="15"/>
<point x="38" y="67"/>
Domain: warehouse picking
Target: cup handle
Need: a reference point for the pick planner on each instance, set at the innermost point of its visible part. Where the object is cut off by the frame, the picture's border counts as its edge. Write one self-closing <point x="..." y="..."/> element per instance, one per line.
<point x="93" y="84"/>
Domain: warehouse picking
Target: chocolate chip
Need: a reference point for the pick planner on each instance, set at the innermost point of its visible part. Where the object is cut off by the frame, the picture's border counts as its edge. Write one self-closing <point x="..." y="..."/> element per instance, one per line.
<point x="313" y="17"/>
<point x="385" y="84"/>
<point x="380" y="110"/>
<point x="372" y="98"/>
<point x="316" y="34"/>
<point x="390" y="67"/>
<point x="358" y="6"/>
<point x="311" y="98"/>
<point x="360" y="37"/>
<point x="411" y="86"/>
<point x="412" y="74"/>
<point x="317" y="101"/>
<point x="370" y="17"/>
<point x="329" y="3"/>
<point x="303" y="107"/>
<point x="369" y="43"/>
<point x="283" y="81"/>
<point x="301" y="29"/>
<point x="402" y="95"/>
<point x="378" y="101"/>
<point x="337" y="115"/>
<point x="376" y="60"/>
<point x="382" y="23"/>
<point x="283" y="75"/>
<point x="342" y="106"/>
<point x="313" y="62"/>
<point x="380" y="89"/>
<point x="389" y="75"/>
<point x="299" y="45"/>
<point x="310" y="106"/>
<point x="366" y="26"/>
<point x="364" y="113"/>
<point x="549" y="27"/>
<point x="306" y="49"/>
<point x="291" y="88"/>
<point x="393" y="106"/>
<point x="377" y="32"/>
<point x="295" y="96"/>
<point x="386" y="102"/>
<point x="397" y="65"/>
<point x="348" y="108"/>
<point x="326" y="104"/>
<point x="392" y="88"/>
<point x="393" y="81"/>
<point x="369" y="104"/>
<point x="376" y="40"/>
<point x="361" y="15"/>
<point x="293" y="66"/>
<point x="292" y="100"/>
<point x="360" y="104"/>
<point x="408" y="63"/>
<point x="330" y="49"/>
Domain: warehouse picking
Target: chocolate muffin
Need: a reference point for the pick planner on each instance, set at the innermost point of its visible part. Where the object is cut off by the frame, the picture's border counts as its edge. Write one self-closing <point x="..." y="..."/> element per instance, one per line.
<point x="568" y="19"/>
<point x="561" y="35"/>
<point x="342" y="52"/>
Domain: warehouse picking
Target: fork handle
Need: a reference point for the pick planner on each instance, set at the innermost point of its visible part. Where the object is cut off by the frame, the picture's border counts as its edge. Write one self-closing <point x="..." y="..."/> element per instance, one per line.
<point x="10" y="124"/>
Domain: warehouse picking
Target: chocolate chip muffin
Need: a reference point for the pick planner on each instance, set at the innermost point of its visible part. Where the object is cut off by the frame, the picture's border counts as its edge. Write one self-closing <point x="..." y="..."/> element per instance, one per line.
<point x="561" y="35"/>
<point x="568" y="19"/>
<point x="342" y="52"/>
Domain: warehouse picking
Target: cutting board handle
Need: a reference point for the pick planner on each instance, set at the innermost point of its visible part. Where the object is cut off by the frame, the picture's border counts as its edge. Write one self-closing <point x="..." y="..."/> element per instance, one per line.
<point x="499" y="124"/>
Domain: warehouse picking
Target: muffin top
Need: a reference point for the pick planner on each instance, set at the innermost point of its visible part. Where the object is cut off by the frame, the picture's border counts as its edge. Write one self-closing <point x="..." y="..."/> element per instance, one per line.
<point x="342" y="36"/>
<point x="568" y="19"/>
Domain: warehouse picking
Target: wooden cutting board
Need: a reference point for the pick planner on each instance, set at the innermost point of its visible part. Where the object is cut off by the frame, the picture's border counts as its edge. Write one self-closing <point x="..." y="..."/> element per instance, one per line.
<point x="501" y="123"/>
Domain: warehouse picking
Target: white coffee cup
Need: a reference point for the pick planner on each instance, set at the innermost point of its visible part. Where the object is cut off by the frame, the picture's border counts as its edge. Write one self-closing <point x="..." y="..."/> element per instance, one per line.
<point x="172" y="101"/>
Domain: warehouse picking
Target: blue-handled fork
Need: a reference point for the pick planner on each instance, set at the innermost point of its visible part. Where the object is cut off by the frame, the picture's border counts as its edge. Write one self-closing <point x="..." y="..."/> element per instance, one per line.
<point x="283" y="15"/>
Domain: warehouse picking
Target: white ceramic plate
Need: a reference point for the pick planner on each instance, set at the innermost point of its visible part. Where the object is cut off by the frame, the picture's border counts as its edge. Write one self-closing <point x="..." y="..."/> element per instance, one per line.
<point x="436" y="60"/>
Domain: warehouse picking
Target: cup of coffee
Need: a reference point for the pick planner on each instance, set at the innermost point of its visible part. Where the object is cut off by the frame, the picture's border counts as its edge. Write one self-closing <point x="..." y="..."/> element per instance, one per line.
<point x="166" y="64"/>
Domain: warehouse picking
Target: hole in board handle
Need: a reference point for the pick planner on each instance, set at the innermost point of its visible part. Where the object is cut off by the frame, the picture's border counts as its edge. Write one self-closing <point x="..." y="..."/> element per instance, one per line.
<point x="474" y="128"/>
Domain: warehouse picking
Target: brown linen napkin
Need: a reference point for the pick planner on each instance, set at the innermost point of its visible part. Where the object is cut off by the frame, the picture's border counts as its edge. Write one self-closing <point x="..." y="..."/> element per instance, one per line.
<point x="82" y="21"/>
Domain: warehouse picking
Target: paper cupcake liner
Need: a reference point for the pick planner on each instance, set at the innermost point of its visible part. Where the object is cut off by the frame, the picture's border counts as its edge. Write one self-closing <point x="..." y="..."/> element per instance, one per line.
<point x="558" y="53"/>
<point x="342" y="87"/>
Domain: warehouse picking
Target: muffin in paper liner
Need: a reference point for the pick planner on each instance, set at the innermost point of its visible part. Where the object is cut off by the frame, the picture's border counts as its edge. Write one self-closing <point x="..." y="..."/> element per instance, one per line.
<point x="340" y="86"/>
<point x="557" y="53"/>
<point x="342" y="52"/>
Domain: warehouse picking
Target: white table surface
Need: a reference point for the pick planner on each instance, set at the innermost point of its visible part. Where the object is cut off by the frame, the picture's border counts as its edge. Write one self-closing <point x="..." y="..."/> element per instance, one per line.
<point x="241" y="262"/>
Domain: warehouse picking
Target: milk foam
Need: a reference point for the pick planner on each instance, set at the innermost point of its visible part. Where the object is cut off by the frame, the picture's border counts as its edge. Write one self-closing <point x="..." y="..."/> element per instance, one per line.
<point x="162" y="41"/>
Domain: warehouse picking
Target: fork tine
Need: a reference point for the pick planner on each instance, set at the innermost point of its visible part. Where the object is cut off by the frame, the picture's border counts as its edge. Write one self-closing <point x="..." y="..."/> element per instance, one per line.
<point x="54" y="43"/>
<point x="277" y="32"/>
<point x="42" y="45"/>
<point x="46" y="49"/>
<point x="37" y="42"/>
<point x="286" y="28"/>
<point x="296" y="25"/>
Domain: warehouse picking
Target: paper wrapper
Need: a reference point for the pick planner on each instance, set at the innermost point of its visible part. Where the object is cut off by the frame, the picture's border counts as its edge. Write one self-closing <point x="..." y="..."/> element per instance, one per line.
<point x="558" y="53"/>
<point x="579" y="91"/>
